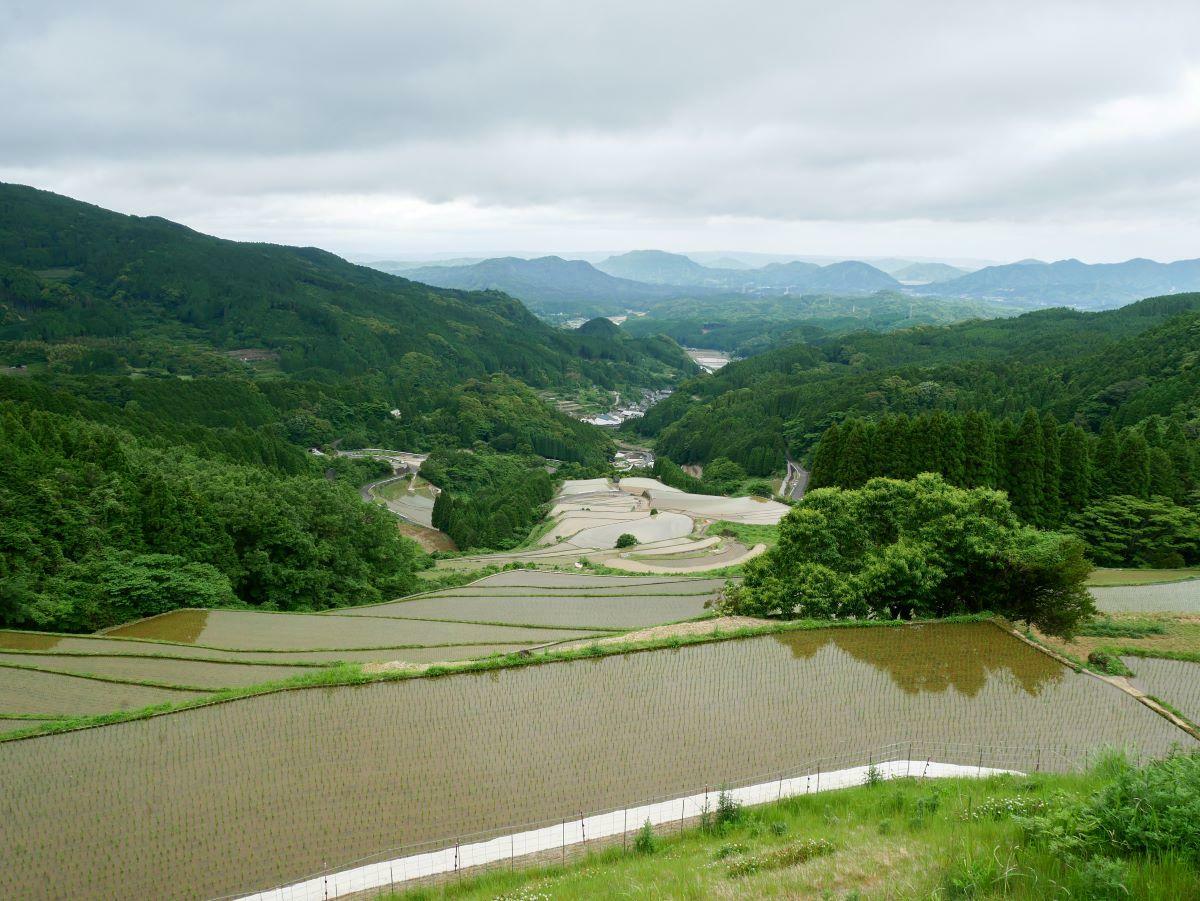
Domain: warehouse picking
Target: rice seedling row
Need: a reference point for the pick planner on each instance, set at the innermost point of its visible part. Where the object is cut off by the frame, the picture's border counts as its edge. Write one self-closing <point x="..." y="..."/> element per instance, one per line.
<point x="28" y="665"/>
<point x="34" y="691"/>
<point x="1171" y="597"/>
<point x="173" y="671"/>
<point x="162" y="807"/>
<point x="1177" y="682"/>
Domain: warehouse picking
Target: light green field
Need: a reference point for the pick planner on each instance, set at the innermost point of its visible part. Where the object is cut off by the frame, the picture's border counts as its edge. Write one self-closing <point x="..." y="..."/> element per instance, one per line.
<point x="1106" y="577"/>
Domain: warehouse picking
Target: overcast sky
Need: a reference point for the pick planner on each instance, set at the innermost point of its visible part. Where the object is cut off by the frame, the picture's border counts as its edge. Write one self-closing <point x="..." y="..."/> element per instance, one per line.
<point x="395" y="129"/>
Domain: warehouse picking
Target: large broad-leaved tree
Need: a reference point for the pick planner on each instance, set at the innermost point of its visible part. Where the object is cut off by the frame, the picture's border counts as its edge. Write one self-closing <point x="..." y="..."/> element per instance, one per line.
<point x="917" y="548"/>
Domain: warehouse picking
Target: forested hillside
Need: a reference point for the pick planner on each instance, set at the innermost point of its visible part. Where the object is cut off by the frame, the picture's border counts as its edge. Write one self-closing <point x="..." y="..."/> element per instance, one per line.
<point x="1121" y="365"/>
<point x="161" y="388"/>
<point x="748" y="324"/>
<point x="129" y="293"/>
<point x="98" y="527"/>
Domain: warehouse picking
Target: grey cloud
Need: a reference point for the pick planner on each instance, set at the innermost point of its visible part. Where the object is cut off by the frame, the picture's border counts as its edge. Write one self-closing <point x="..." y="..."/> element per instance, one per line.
<point x="790" y="112"/>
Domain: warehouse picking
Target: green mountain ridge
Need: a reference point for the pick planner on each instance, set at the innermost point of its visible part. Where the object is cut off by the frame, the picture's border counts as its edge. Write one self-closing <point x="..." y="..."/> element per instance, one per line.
<point x="72" y="270"/>
<point x="1120" y="365"/>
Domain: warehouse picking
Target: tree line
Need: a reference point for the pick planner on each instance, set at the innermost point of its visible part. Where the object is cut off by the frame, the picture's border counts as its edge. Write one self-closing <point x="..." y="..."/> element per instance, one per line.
<point x="1130" y="492"/>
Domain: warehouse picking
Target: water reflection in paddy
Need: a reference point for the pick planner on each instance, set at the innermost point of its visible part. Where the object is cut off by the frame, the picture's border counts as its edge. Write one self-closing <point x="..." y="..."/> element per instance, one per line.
<point x="916" y="658"/>
<point x="184" y="626"/>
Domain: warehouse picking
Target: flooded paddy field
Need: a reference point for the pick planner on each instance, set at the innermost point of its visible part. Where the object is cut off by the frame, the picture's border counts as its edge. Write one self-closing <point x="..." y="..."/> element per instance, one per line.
<point x="1171" y="597"/>
<point x="536" y="578"/>
<point x="1177" y="682"/>
<point x="540" y="598"/>
<point x="69" y="647"/>
<point x="193" y="673"/>
<point x="199" y="803"/>
<point x="250" y="630"/>
<point x="33" y="692"/>
<point x="633" y="611"/>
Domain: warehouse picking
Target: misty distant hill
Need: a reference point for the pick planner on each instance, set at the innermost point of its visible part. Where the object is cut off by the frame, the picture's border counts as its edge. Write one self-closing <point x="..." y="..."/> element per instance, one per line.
<point x="927" y="273"/>
<point x="548" y="285"/>
<point x="552" y="286"/>
<point x="850" y="277"/>
<point x="657" y="267"/>
<point x="1072" y="283"/>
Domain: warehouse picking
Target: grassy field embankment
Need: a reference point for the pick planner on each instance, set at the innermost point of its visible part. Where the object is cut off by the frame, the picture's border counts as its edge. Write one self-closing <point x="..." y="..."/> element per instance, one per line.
<point x="954" y="838"/>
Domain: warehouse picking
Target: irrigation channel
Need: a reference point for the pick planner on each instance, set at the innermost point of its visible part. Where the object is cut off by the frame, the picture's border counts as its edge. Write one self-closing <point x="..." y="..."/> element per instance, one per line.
<point x="251" y="794"/>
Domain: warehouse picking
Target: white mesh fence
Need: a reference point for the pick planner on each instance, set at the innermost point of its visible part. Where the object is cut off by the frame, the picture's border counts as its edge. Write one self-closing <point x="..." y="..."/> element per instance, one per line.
<point x="564" y="839"/>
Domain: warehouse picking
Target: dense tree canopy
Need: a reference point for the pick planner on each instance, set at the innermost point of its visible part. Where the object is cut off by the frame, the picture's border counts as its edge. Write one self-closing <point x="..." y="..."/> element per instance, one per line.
<point x="488" y="500"/>
<point x="916" y="548"/>
<point x="97" y="526"/>
<point x="1049" y="469"/>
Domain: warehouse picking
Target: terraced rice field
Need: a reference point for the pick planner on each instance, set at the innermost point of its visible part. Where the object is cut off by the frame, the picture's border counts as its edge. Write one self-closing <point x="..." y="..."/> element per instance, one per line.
<point x="32" y="692"/>
<point x="540" y="598"/>
<point x="1105" y="577"/>
<point x="1172" y="597"/>
<point x="752" y="510"/>
<point x="69" y="646"/>
<point x="250" y="630"/>
<point x="1177" y="682"/>
<point x="164" y="807"/>
<point x="538" y="579"/>
<point x="191" y="673"/>
<point x="613" y="613"/>
<point x="208" y="650"/>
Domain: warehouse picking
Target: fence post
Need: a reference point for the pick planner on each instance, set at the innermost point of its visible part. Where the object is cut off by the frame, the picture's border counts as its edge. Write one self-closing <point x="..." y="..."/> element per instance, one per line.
<point x="625" y="829"/>
<point x="582" y="829"/>
<point x="779" y="795"/>
<point x="979" y="769"/>
<point x="908" y="760"/>
<point x="682" y="807"/>
<point x="564" y="842"/>
<point x="818" y="778"/>
<point x="456" y="855"/>
<point x="512" y="850"/>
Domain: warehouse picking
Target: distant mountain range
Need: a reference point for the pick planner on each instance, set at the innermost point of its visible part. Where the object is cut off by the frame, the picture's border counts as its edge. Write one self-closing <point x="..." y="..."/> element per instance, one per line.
<point x="1072" y="283"/>
<point x="548" y="285"/>
<point x="552" y="286"/>
<point x="561" y="288"/>
<point x="926" y="273"/>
